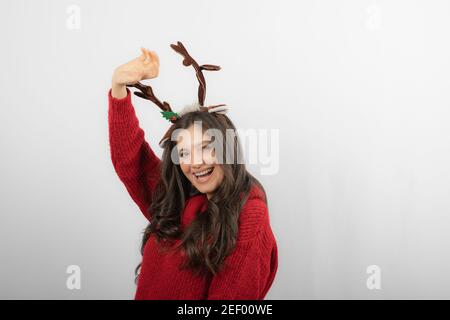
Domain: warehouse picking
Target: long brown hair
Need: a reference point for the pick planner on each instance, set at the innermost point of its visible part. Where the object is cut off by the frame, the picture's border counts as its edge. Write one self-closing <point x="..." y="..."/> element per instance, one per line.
<point x="210" y="237"/>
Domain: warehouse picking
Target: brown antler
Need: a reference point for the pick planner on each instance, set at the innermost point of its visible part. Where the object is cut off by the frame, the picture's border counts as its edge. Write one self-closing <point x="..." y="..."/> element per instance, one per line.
<point x="147" y="93"/>
<point x="188" y="61"/>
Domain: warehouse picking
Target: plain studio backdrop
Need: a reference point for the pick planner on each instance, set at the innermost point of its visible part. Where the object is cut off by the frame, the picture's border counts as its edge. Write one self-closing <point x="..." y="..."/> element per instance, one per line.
<point x="359" y="94"/>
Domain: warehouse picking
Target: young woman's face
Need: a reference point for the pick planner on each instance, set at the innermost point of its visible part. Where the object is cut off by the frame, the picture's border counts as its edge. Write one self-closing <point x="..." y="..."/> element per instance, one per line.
<point x="198" y="161"/>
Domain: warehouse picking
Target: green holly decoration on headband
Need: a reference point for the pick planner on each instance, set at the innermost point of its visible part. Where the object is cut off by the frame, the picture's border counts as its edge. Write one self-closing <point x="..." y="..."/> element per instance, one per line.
<point x="170" y="115"/>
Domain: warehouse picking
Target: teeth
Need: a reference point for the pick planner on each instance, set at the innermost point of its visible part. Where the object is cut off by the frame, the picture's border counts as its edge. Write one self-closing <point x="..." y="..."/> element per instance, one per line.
<point x="203" y="172"/>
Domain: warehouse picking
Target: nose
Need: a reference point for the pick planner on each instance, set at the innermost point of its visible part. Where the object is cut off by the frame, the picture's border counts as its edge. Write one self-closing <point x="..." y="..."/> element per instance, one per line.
<point x="196" y="157"/>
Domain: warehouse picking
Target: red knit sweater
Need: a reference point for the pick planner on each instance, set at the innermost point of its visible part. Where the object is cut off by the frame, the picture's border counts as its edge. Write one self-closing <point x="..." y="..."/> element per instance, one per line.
<point x="248" y="271"/>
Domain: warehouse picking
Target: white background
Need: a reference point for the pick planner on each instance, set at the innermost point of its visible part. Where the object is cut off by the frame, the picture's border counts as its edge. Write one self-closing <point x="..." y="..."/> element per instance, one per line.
<point x="358" y="90"/>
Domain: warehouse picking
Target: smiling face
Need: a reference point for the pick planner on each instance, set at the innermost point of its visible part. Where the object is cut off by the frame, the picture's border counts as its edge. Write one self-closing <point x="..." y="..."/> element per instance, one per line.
<point x="198" y="162"/>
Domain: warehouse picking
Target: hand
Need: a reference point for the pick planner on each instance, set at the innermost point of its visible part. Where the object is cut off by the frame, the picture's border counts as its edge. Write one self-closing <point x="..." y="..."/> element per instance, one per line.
<point x="146" y="66"/>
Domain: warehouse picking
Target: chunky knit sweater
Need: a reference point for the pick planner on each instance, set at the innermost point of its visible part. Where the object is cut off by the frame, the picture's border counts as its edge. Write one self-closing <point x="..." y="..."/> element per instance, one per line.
<point x="249" y="270"/>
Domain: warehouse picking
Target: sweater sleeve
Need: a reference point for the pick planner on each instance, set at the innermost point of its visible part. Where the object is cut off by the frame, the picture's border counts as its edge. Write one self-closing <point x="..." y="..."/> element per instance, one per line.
<point x="134" y="161"/>
<point x="249" y="271"/>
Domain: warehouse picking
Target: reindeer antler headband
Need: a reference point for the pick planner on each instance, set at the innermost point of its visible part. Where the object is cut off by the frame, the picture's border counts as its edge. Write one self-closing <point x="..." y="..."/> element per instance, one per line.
<point x="146" y="92"/>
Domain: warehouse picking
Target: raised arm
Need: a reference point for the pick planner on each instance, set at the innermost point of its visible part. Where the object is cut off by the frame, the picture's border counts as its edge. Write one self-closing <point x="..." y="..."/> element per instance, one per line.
<point x="133" y="159"/>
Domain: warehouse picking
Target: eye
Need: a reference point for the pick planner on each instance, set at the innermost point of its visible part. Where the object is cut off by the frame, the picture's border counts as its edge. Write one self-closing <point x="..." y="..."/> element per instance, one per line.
<point x="183" y="154"/>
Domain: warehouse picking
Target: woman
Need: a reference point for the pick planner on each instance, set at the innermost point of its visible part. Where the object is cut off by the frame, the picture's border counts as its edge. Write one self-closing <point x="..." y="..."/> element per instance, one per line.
<point x="209" y="234"/>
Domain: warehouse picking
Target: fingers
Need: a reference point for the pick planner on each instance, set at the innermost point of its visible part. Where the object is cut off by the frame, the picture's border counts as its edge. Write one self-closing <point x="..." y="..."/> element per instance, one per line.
<point x="148" y="56"/>
<point x="143" y="55"/>
<point x="154" y="57"/>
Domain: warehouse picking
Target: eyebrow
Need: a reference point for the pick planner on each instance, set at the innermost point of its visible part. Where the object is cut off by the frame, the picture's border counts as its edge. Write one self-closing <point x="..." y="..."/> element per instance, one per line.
<point x="204" y="141"/>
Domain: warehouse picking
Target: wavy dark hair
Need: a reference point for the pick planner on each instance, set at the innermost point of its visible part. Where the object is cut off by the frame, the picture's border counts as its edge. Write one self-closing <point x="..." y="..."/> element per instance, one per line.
<point x="210" y="237"/>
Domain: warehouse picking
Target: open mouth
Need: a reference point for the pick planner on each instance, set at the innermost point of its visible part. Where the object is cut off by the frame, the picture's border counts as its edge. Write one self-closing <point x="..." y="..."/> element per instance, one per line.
<point x="204" y="175"/>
